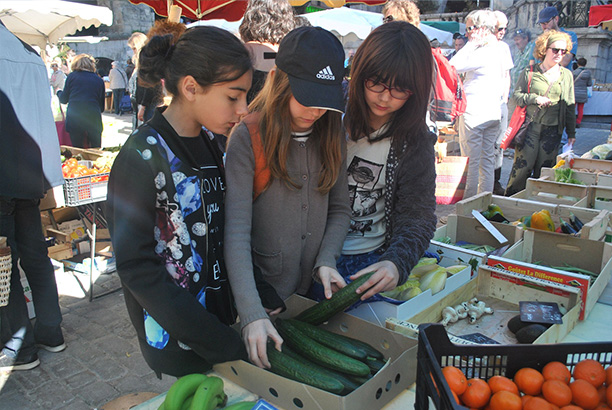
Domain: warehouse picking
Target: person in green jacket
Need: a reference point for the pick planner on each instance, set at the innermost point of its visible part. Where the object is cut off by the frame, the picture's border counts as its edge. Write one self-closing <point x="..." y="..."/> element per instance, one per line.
<point x="550" y="103"/>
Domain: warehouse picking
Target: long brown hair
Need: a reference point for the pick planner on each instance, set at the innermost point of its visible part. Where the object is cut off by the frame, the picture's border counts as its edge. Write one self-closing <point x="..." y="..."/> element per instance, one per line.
<point x="397" y="54"/>
<point x="275" y="130"/>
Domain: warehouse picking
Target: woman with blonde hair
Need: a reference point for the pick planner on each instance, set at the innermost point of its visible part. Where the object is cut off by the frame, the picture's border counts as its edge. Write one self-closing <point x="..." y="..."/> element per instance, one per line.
<point x="403" y="10"/>
<point x="84" y="93"/>
<point x="547" y="90"/>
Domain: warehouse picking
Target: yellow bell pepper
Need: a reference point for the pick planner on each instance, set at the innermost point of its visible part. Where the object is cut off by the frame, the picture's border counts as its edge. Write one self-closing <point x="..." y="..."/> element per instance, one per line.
<point x="542" y="220"/>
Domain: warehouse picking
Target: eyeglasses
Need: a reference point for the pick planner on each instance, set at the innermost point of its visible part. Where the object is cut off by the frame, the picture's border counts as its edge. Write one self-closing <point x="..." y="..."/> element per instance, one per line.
<point x="378" y="88"/>
<point x="501" y="29"/>
<point x="558" y="50"/>
<point x="388" y="19"/>
<point x="470" y="28"/>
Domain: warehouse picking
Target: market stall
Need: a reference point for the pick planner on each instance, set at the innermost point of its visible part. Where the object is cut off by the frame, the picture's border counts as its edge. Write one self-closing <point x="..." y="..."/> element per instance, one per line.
<point x="600" y="103"/>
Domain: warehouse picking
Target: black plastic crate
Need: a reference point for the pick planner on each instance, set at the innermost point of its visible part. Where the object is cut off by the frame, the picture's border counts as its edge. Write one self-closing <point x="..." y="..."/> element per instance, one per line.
<point x="435" y="351"/>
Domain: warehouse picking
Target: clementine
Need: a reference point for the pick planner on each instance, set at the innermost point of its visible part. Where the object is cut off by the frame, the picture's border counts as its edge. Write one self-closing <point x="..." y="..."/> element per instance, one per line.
<point x="529" y="381"/>
<point x="571" y="407"/>
<point x="609" y="395"/>
<point x="584" y="394"/>
<point x="590" y="370"/>
<point x="505" y="400"/>
<point x="498" y="383"/>
<point x="455" y="378"/>
<point x="557" y="392"/>
<point x="477" y="393"/>
<point x="556" y="371"/>
<point x="537" y="403"/>
<point x="609" y="376"/>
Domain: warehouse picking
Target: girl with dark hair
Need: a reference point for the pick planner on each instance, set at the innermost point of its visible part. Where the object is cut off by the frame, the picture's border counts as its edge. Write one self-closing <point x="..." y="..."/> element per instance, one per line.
<point x="289" y="226"/>
<point x="390" y="156"/>
<point x="166" y="203"/>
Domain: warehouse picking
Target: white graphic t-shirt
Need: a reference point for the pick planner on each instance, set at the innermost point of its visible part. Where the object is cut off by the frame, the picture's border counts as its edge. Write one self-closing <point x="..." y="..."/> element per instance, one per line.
<point x="366" y="179"/>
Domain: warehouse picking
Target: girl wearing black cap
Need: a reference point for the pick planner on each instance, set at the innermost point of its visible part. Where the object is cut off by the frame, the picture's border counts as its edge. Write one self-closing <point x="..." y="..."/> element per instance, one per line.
<point x="165" y="203"/>
<point x="390" y="156"/>
<point x="288" y="222"/>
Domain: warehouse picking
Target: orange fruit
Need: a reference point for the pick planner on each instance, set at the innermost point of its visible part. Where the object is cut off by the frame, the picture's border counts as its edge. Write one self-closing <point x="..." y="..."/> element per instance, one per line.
<point x="455" y="378"/>
<point x="571" y="407"/>
<point x="609" y="395"/>
<point x="557" y="392"/>
<point x="609" y="376"/>
<point x="456" y="397"/>
<point x="602" y="406"/>
<point x="601" y="390"/>
<point x="529" y="381"/>
<point x="554" y="406"/>
<point x="477" y="393"/>
<point x="537" y="403"/>
<point x="590" y="370"/>
<point x="525" y="398"/>
<point x="498" y="383"/>
<point x="584" y="394"/>
<point x="556" y="371"/>
<point x="505" y="400"/>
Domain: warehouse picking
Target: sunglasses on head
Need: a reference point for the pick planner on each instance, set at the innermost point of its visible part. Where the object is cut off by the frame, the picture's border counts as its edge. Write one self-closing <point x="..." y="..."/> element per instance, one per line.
<point x="387" y="19"/>
<point x="558" y="50"/>
<point x="470" y="28"/>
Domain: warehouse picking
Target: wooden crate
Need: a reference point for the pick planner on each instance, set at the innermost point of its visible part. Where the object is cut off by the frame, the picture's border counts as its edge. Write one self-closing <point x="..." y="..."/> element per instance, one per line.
<point x="552" y="192"/>
<point x="588" y="178"/>
<point x="598" y="197"/>
<point x="539" y="250"/>
<point x="595" y="221"/>
<point x="596" y="166"/>
<point x="502" y="290"/>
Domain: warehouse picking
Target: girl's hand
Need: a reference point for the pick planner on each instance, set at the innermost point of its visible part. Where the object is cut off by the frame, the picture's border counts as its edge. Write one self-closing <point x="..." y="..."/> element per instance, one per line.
<point x="255" y="336"/>
<point x="542" y="101"/>
<point x="331" y="280"/>
<point x="385" y="278"/>
<point x="141" y="112"/>
<point x="274" y="312"/>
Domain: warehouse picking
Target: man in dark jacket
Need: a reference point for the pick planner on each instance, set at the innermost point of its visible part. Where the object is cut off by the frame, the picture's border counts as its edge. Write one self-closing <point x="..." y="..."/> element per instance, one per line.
<point x="29" y="165"/>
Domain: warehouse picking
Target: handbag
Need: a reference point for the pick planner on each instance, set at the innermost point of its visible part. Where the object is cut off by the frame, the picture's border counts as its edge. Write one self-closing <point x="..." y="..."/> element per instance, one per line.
<point x="518" y="124"/>
<point x="62" y="134"/>
<point x="589" y="91"/>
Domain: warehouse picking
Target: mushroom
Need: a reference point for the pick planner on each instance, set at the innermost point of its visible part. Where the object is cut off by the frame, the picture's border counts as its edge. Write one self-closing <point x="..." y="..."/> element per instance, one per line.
<point x="449" y="315"/>
<point x="462" y="310"/>
<point x="477" y="310"/>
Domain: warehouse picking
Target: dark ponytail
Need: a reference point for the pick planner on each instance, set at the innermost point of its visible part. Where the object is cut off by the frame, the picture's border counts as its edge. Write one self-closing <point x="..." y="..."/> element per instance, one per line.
<point x="209" y="54"/>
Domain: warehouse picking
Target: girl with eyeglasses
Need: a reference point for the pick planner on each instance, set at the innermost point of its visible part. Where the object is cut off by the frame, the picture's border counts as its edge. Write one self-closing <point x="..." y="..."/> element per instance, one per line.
<point x="390" y="157"/>
<point x="550" y="103"/>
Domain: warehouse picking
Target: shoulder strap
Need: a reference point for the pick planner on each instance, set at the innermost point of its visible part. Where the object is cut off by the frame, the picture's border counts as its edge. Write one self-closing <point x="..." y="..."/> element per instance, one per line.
<point x="261" y="176"/>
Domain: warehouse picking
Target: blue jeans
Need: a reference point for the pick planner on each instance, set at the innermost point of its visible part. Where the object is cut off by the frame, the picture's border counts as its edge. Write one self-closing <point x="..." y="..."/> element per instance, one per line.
<point x="20" y="223"/>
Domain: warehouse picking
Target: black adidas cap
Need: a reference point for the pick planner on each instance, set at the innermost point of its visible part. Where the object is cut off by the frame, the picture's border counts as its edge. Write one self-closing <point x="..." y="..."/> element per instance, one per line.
<point x="313" y="58"/>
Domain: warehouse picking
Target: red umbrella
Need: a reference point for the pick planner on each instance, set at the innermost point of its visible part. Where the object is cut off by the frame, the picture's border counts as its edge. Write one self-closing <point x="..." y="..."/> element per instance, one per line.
<point x="230" y="10"/>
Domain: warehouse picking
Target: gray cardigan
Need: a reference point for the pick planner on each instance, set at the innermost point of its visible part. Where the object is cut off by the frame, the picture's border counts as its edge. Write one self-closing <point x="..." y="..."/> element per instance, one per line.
<point x="582" y="80"/>
<point x="286" y="232"/>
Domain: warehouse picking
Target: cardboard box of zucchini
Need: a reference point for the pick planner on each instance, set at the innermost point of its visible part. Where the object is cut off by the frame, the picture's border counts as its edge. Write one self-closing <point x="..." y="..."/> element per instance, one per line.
<point x="329" y="360"/>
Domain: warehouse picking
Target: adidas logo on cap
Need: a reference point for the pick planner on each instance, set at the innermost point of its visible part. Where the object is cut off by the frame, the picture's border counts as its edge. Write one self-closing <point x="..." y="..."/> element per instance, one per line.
<point x="326" y="74"/>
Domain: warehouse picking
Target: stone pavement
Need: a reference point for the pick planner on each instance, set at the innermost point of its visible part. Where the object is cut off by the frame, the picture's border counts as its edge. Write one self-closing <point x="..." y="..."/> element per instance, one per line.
<point x="103" y="360"/>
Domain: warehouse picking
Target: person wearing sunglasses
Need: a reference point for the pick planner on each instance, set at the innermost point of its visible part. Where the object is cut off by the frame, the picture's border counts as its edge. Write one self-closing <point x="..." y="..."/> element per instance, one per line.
<point x="548" y="19"/>
<point x="549" y="98"/>
<point x="402" y="10"/>
<point x="484" y="62"/>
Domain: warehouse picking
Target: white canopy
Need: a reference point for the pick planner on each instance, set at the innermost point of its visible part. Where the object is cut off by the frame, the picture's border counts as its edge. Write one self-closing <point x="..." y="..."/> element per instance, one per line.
<point x="42" y="22"/>
<point x="346" y="22"/>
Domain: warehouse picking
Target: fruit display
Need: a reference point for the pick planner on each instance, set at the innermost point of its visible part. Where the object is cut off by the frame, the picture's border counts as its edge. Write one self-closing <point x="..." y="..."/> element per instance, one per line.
<point x="588" y="387"/>
<point x="76" y="164"/>
<point x="199" y="392"/>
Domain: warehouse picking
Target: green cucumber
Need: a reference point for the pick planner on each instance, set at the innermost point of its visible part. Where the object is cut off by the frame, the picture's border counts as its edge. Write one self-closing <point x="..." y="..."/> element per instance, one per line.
<point x="369" y="349"/>
<point x="349" y="384"/>
<point x="316" y="352"/>
<point x="330" y="339"/>
<point x="339" y="302"/>
<point x="374" y="364"/>
<point x="288" y="367"/>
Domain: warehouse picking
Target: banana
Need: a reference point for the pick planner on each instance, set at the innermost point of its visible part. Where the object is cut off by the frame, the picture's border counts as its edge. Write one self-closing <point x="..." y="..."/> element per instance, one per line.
<point x="187" y="403"/>
<point x="243" y="405"/>
<point x="209" y="395"/>
<point x="182" y="389"/>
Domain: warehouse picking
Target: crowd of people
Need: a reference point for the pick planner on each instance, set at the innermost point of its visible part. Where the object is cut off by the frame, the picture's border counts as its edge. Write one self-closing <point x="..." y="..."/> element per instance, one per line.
<point x="262" y="179"/>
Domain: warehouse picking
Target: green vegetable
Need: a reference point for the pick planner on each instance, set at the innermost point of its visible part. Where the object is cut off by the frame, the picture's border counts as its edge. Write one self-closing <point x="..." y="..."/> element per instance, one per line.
<point x="435" y="280"/>
<point x="290" y="368"/>
<point x="330" y="340"/>
<point x="209" y="395"/>
<point x="324" y="310"/>
<point x="182" y="389"/>
<point x="318" y="353"/>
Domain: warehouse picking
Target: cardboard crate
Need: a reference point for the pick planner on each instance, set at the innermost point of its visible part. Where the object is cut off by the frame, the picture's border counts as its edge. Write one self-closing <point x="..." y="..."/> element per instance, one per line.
<point x="467" y="229"/>
<point x="397" y="375"/>
<point x="378" y="312"/>
<point x="54" y="198"/>
<point x="60" y="252"/>
<point x="595" y="222"/>
<point x="550" y="248"/>
<point x="502" y="290"/>
<point x="588" y="178"/>
<point x="552" y="192"/>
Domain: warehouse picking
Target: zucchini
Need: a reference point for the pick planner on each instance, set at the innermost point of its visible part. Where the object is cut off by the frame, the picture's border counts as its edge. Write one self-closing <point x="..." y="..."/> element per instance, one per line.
<point x="288" y="367"/>
<point x="330" y="339"/>
<point x="339" y="302"/>
<point x="349" y="384"/>
<point x="374" y="364"/>
<point x="370" y="350"/>
<point x="316" y="352"/>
